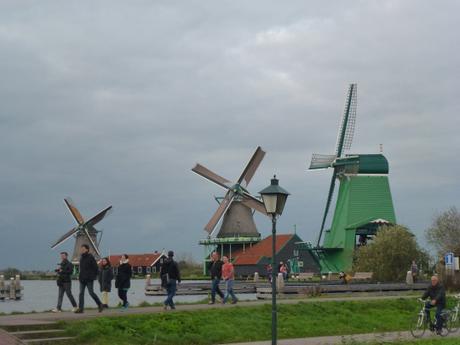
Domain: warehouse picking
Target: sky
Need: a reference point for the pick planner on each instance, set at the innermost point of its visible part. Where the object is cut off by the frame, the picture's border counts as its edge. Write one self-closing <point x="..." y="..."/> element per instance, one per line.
<point x="113" y="102"/>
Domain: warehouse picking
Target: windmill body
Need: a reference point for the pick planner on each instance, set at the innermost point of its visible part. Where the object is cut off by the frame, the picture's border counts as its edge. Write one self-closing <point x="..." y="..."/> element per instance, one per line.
<point x="363" y="202"/>
<point x="80" y="239"/>
<point x="238" y="230"/>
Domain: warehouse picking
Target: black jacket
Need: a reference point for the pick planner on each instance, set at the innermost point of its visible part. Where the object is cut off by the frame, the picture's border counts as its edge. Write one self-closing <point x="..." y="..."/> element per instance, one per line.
<point x="88" y="268"/>
<point x="123" y="279"/>
<point x="65" y="274"/>
<point x="169" y="270"/>
<point x="105" y="278"/>
<point x="437" y="293"/>
<point x="216" y="269"/>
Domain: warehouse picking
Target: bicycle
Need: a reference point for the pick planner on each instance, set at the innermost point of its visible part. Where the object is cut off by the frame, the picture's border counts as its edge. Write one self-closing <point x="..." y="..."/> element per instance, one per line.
<point x="454" y="316"/>
<point x="421" y="323"/>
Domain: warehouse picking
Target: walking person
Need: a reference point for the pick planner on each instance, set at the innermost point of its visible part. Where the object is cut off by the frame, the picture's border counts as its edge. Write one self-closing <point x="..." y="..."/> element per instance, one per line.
<point x="283" y="270"/>
<point x="123" y="280"/>
<point x="87" y="276"/>
<point x="228" y="273"/>
<point x="170" y="277"/>
<point x="64" y="282"/>
<point x="105" y="280"/>
<point x="269" y="273"/>
<point x="216" y="276"/>
<point x="414" y="271"/>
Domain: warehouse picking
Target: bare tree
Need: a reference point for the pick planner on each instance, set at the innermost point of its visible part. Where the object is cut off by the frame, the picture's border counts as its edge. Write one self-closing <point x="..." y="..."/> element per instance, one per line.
<point x="444" y="233"/>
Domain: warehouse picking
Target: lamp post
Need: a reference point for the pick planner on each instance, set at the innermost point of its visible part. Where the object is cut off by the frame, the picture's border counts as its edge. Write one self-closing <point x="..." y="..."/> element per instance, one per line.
<point x="274" y="198"/>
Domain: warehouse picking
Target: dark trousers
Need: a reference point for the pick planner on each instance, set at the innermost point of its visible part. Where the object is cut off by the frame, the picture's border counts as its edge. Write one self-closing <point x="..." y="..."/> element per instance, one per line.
<point x="67" y="288"/>
<point x="171" y="288"/>
<point x="90" y="286"/>
<point x="216" y="289"/>
<point x="123" y="294"/>
<point x="438" y="316"/>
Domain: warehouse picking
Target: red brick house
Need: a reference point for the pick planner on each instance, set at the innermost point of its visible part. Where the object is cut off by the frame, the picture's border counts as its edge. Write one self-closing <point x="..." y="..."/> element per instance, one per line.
<point x="256" y="258"/>
<point x="142" y="264"/>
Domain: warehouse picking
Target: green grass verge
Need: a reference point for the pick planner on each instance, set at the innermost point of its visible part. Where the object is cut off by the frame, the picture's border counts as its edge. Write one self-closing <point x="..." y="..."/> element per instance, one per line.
<point x="227" y="325"/>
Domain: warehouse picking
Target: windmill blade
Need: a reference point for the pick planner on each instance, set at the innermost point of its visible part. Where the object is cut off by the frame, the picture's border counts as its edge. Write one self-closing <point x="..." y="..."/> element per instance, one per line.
<point x="217" y="216"/>
<point x="252" y="166"/>
<point x="347" y="124"/>
<point x="98" y="217"/>
<point x="74" y="211"/>
<point x="254" y="203"/>
<point x="319" y="161"/>
<point x="211" y="176"/>
<point x="328" y="204"/>
<point x="96" y="249"/>
<point x="65" y="237"/>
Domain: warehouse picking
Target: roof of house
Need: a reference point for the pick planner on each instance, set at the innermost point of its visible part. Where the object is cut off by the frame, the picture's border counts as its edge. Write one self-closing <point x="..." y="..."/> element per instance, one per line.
<point x="136" y="260"/>
<point x="253" y="255"/>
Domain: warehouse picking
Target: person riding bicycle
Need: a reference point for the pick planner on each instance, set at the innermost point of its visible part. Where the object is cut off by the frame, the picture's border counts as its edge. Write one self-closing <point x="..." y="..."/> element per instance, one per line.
<point x="437" y="298"/>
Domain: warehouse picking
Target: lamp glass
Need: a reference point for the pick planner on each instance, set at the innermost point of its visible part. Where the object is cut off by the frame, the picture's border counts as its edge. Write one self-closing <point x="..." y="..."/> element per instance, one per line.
<point x="270" y="202"/>
<point x="281" y="201"/>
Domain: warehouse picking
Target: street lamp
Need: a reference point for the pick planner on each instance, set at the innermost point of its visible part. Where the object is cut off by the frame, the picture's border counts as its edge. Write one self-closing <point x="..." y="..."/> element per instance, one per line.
<point x="274" y="198"/>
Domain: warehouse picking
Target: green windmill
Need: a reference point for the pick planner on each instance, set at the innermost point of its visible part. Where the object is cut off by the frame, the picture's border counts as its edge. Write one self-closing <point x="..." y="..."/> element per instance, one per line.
<point x="364" y="200"/>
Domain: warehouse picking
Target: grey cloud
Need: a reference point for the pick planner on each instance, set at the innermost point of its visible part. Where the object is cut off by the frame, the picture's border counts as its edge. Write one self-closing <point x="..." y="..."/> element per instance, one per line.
<point x="113" y="102"/>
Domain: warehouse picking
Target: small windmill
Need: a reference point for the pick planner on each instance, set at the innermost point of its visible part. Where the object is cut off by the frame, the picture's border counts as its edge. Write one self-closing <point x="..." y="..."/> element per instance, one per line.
<point x="238" y="229"/>
<point x="364" y="200"/>
<point x="84" y="232"/>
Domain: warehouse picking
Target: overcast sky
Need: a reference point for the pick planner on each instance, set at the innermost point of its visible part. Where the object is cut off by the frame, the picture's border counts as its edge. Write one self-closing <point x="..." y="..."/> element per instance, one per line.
<point x="113" y="102"/>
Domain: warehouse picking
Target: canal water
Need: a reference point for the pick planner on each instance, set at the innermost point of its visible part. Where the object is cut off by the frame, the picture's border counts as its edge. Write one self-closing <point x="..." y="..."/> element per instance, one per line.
<point x="41" y="295"/>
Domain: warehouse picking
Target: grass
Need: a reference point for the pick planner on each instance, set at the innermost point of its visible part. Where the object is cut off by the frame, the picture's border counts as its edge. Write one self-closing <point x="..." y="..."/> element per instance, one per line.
<point x="215" y="326"/>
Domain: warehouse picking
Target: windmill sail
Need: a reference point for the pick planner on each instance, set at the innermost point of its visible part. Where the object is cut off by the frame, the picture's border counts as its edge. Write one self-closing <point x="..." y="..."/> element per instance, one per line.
<point x="344" y="141"/>
<point x="347" y="124"/>
<point x="319" y="161"/>
<point x="328" y="205"/>
<point x="217" y="216"/>
<point x="252" y="166"/>
<point x="65" y="237"/>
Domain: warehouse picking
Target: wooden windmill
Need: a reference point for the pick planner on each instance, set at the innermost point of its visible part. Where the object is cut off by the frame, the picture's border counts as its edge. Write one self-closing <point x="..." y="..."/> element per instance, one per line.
<point x="84" y="232"/>
<point x="235" y="209"/>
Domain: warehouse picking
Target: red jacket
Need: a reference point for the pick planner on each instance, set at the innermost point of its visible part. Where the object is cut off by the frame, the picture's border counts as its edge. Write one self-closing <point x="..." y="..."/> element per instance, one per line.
<point x="228" y="272"/>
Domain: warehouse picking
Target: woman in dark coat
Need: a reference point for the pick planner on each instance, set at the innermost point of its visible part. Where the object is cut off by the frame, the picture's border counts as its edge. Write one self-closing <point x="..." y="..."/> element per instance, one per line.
<point x="123" y="280"/>
<point x="105" y="280"/>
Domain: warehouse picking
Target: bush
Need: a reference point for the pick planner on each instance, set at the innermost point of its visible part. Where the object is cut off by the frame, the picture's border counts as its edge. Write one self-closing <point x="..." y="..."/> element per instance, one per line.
<point x="390" y="254"/>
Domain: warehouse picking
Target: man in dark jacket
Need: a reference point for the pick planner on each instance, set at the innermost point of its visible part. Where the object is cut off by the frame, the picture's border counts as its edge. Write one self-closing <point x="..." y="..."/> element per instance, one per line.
<point x="216" y="277"/>
<point x="88" y="274"/>
<point x="170" y="276"/>
<point x="437" y="298"/>
<point x="64" y="282"/>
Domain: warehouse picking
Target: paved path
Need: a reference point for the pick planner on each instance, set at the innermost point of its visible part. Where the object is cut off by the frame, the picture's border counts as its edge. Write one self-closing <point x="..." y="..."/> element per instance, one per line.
<point x="346" y="339"/>
<point x="43" y="318"/>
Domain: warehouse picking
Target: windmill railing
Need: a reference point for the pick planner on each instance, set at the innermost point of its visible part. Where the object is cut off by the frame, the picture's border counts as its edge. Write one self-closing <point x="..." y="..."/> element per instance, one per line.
<point x="233" y="240"/>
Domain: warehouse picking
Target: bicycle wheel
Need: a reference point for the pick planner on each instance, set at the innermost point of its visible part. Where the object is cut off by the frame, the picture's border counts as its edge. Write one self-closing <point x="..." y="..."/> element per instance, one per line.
<point x="418" y="326"/>
<point x="446" y="323"/>
<point x="454" y="323"/>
